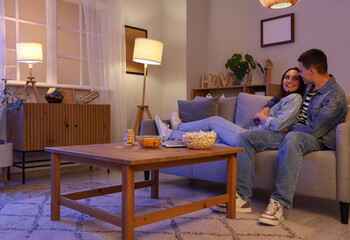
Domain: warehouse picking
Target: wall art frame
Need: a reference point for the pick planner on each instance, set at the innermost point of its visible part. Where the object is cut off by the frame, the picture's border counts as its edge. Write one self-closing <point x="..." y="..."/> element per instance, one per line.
<point x="277" y="30"/>
<point x="130" y="34"/>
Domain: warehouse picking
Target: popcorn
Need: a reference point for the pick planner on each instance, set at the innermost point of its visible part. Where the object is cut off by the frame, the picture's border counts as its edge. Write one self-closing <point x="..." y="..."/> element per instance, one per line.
<point x="199" y="140"/>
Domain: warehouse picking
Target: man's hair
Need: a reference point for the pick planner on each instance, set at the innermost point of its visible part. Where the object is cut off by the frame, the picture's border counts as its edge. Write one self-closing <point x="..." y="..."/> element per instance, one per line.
<point x="314" y="58"/>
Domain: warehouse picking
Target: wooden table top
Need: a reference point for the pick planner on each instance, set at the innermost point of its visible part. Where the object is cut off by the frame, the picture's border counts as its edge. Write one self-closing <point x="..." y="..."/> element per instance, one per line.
<point x="135" y="155"/>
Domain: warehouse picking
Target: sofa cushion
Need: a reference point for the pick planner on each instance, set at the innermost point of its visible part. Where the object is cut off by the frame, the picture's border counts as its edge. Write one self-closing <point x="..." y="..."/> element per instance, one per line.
<point x="227" y="107"/>
<point x="195" y="110"/>
<point x="247" y="106"/>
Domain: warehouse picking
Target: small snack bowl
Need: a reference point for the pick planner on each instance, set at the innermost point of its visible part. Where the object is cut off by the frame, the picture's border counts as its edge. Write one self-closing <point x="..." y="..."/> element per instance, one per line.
<point x="199" y="140"/>
<point x="149" y="141"/>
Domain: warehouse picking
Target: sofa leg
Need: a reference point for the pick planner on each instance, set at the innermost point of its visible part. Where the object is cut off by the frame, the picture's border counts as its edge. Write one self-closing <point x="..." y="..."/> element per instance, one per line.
<point x="344" y="212"/>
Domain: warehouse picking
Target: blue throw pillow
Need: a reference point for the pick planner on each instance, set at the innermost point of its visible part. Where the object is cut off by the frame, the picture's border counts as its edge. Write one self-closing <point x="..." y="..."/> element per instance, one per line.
<point x="190" y="111"/>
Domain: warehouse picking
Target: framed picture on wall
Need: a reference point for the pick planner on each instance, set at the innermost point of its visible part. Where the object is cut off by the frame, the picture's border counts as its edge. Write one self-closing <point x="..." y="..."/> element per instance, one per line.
<point x="277" y="30"/>
<point x="130" y="34"/>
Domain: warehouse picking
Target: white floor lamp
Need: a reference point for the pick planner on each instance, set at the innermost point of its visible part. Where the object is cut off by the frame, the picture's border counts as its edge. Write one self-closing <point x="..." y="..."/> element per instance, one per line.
<point x="148" y="52"/>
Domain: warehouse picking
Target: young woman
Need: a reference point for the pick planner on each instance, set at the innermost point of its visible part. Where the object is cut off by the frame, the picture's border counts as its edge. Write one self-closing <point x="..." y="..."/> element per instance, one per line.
<point x="281" y="111"/>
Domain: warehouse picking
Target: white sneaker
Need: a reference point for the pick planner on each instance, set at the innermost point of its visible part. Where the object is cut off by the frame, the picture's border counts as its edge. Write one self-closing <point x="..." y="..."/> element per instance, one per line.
<point x="175" y="119"/>
<point x="242" y="206"/>
<point x="163" y="129"/>
<point x="273" y="214"/>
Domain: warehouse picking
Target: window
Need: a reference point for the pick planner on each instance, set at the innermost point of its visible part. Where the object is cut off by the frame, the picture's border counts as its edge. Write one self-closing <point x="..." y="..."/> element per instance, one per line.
<point x="71" y="44"/>
<point x="25" y="21"/>
<point x="59" y="26"/>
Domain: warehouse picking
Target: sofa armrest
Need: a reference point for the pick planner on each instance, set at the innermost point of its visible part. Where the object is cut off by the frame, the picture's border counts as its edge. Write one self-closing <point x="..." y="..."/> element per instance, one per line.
<point x="343" y="162"/>
<point x="148" y="127"/>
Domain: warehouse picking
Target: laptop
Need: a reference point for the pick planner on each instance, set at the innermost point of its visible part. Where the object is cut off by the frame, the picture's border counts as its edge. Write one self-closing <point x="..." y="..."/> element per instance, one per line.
<point x="173" y="144"/>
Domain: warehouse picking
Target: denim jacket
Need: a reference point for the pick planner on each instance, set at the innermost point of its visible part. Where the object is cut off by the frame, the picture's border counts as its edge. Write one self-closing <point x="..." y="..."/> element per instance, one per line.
<point x="272" y="101"/>
<point x="327" y="109"/>
<point x="284" y="113"/>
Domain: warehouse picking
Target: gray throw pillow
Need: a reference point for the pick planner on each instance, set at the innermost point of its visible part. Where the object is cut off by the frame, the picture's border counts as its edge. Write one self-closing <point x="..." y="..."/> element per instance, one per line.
<point x="190" y="111"/>
<point x="227" y="107"/>
<point x="247" y="106"/>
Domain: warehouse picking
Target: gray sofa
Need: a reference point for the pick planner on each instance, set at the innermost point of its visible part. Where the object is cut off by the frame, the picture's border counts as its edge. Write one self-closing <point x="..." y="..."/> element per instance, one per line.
<point x="323" y="174"/>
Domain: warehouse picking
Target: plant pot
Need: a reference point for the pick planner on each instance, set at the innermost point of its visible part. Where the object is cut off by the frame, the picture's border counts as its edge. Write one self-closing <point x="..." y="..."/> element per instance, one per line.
<point x="236" y="81"/>
<point x="247" y="79"/>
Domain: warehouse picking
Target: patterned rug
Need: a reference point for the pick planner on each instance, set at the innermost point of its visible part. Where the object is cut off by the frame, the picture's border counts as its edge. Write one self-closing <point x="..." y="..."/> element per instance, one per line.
<point x="25" y="214"/>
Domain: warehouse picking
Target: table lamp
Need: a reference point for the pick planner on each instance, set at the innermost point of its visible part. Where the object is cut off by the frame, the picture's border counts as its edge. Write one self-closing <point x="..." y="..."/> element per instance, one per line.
<point x="148" y="52"/>
<point x="30" y="53"/>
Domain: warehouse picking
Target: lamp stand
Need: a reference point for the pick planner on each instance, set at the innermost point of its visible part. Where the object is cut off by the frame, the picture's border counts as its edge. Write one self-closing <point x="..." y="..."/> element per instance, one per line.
<point x="142" y="108"/>
<point x="32" y="82"/>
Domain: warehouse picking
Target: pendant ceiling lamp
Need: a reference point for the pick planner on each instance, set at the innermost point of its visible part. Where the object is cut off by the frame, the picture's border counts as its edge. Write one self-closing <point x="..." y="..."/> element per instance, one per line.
<point x="278" y="4"/>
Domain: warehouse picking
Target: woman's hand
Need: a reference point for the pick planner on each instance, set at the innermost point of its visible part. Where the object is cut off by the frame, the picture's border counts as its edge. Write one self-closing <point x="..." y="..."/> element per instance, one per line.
<point x="261" y="116"/>
<point x="265" y="111"/>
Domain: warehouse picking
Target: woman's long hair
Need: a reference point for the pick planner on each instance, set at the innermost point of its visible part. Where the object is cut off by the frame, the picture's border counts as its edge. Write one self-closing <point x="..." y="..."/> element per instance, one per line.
<point x="282" y="93"/>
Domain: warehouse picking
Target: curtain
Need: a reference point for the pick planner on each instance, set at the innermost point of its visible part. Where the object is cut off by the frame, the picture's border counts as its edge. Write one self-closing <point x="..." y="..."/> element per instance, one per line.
<point x="2" y="66"/>
<point x="106" y="58"/>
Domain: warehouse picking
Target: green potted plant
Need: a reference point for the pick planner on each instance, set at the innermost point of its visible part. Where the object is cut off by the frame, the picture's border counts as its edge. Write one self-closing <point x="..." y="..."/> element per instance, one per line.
<point x="240" y="67"/>
<point x="11" y="101"/>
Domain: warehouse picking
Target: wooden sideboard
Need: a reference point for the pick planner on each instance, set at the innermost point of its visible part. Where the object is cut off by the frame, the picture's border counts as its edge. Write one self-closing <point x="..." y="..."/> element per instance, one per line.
<point x="40" y="125"/>
<point x="266" y="88"/>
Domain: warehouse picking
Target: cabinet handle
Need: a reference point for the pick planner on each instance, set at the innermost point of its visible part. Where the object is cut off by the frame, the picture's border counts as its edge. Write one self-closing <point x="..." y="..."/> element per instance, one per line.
<point x="67" y="125"/>
<point x="76" y="125"/>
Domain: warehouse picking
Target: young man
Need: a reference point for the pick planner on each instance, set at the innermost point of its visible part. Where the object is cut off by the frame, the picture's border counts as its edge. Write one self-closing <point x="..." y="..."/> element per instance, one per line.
<point x="324" y="107"/>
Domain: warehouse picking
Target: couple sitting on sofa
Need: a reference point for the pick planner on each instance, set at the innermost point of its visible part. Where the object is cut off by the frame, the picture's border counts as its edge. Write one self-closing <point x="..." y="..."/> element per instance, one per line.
<point x="293" y="126"/>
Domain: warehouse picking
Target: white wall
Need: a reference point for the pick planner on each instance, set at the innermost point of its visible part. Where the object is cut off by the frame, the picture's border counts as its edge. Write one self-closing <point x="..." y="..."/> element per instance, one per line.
<point x="174" y="56"/>
<point x="197" y="42"/>
<point x="165" y="21"/>
<point x="234" y="26"/>
<point x="146" y="15"/>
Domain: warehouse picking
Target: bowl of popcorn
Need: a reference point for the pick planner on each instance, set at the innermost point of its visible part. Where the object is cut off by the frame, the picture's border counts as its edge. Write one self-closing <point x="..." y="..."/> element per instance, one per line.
<point x="199" y="140"/>
<point x="149" y="141"/>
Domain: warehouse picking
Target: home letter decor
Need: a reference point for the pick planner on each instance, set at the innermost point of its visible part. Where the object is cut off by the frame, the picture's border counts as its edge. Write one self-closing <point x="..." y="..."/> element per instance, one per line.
<point x="226" y="82"/>
<point x="205" y="82"/>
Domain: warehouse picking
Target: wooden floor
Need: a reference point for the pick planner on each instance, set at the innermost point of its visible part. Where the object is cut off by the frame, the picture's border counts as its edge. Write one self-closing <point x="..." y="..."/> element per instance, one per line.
<point x="318" y="213"/>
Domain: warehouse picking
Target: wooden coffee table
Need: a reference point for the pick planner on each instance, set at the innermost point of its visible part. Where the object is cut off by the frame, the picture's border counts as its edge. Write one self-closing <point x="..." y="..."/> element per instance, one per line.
<point x="129" y="160"/>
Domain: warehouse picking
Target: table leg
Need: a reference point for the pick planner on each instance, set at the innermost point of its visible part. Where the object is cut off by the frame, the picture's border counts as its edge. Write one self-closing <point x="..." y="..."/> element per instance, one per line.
<point x="55" y="186"/>
<point x="231" y="186"/>
<point x="23" y="168"/>
<point x="128" y="190"/>
<point x="155" y="186"/>
<point x="4" y="176"/>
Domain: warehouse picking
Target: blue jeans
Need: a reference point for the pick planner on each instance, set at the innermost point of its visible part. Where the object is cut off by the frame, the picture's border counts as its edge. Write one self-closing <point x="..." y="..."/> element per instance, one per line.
<point x="226" y="131"/>
<point x="291" y="148"/>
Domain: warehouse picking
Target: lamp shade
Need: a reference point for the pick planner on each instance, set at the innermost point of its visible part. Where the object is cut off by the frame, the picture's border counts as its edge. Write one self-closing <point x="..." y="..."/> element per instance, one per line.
<point x="277" y="4"/>
<point x="148" y="51"/>
<point x="29" y="52"/>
